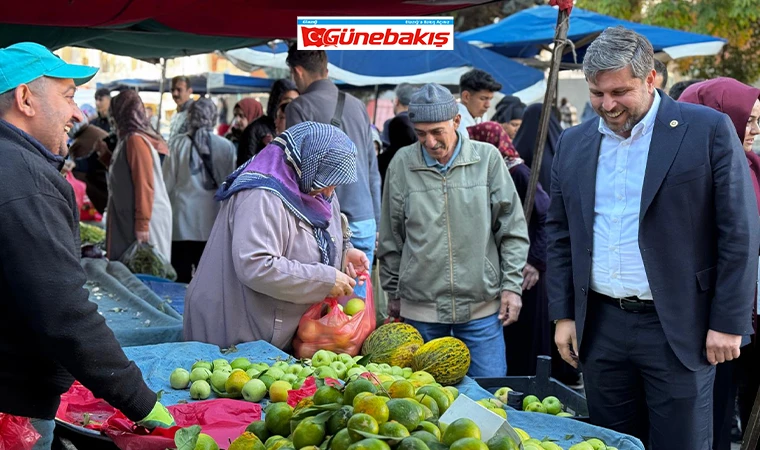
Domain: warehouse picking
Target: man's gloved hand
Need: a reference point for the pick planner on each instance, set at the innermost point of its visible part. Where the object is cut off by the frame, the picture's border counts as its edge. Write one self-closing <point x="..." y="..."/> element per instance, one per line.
<point x="159" y="417"/>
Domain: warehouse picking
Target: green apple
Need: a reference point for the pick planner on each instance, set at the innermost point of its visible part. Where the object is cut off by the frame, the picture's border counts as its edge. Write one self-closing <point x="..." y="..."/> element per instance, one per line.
<point x="355" y="371"/>
<point x="306" y="372"/>
<point x="294" y="369"/>
<point x="201" y="364"/>
<point x="372" y="367"/>
<point x="217" y="363"/>
<point x="199" y="373"/>
<point x="326" y="372"/>
<point x="407" y="372"/>
<point x="357" y="358"/>
<point x="282" y="365"/>
<point x="260" y="366"/>
<point x="385" y="368"/>
<point x="218" y="379"/>
<point x="536" y="407"/>
<point x="353" y="306"/>
<point x="254" y="390"/>
<point x="275" y="372"/>
<point x="422" y="378"/>
<point x="347" y="359"/>
<point x="200" y="390"/>
<point x="240" y="363"/>
<point x="267" y="380"/>
<point x="582" y="446"/>
<point x="397" y="371"/>
<point x="597" y="444"/>
<point x="322" y="358"/>
<point x="502" y="394"/>
<point x="528" y="400"/>
<point x="298" y="383"/>
<point x="290" y="378"/>
<point x="179" y="379"/>
<point x="340" y="369"/>
<point x="252" y="373"/>
<point x="552" y="404"/>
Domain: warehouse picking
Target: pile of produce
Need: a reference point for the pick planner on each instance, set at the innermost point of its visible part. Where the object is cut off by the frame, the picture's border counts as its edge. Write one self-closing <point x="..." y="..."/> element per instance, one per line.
<point x="91" y="235"/>
<point x="241" y="378"/>
<point x="549" y="405"/>
<point x="446" y="358"/>
<point x="365" y="415"/>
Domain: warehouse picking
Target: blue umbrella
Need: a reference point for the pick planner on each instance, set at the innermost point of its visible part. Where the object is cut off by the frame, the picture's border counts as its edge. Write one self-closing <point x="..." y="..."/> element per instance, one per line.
<point x="522" y="34"/>
<point x="391" y="67"/>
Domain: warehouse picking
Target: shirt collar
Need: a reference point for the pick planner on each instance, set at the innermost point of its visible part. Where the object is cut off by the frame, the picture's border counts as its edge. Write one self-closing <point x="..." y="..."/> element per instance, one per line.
<point x="640" y="129"/>
<point x="430" y="162"/>
<point x="185" y="106"/>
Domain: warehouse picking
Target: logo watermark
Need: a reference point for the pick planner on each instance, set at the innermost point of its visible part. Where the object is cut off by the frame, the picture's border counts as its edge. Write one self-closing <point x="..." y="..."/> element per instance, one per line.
<point x="375" y="33"/>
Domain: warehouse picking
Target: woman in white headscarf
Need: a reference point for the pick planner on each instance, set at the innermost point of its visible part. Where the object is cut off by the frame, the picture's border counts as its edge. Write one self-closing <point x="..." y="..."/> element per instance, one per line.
<point x="198" y="164"/>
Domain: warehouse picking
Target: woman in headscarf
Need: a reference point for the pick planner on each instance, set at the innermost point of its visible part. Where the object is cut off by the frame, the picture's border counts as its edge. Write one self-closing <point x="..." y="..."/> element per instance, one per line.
<point x="257" y="135"/>
<point x="138" y="205"/>
<point x="245" y="111"/>
<point x="282" y="90"/>
<point x="525" y="140"/>
<point x="530" y="336"/>
<point x="199" y="163"/>
<point x="509" y="113"/>
<point x="278" y="244"/>
<point x="742" y="104"/>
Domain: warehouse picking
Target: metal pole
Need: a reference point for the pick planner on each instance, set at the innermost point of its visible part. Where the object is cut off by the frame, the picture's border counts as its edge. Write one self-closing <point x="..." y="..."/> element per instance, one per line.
<point x="560" y="37"/>
<point x="161" y="88"/>
<point x="752" y="433"/>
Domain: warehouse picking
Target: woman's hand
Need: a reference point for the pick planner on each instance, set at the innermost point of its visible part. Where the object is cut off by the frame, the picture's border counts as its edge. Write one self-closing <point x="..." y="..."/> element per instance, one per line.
<point x="356" y="262"/>
<point x="344" y="285"/>
<point x="530" y="277"/>
<point x="142" y="236"/>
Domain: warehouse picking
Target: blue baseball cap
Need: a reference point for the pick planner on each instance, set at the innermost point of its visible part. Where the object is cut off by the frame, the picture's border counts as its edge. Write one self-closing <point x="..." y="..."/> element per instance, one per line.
<point x="26" y="61"/>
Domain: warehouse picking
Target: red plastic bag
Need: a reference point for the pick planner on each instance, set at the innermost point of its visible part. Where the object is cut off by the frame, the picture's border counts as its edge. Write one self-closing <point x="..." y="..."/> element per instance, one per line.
<point x="17" y="433"/>
<point x="335" y="330"/>
<point x="223" y="419"/>
<point x="80" y="407"/>
<point x="87" y="212"/>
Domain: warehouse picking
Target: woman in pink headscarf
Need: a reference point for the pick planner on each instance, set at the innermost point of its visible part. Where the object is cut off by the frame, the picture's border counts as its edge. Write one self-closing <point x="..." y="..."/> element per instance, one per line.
<point x="742" y="104"/>
<point x="245" y="111"/>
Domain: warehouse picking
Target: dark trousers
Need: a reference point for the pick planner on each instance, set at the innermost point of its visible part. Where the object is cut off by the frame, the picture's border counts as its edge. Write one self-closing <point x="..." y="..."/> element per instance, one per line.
<point x="742" y="377"/>
<point x="185" y="258"/>
<point x="636" y="385"/>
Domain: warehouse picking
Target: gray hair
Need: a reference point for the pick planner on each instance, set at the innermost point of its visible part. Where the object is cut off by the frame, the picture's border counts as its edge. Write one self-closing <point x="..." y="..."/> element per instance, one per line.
<point x="404" y="93"/>
<point x="615" y="49"/>
<point x="7" y="98"/>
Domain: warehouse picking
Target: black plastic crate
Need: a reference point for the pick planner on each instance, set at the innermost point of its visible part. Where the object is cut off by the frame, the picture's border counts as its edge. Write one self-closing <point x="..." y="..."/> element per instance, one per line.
<point x="541" y="385"/>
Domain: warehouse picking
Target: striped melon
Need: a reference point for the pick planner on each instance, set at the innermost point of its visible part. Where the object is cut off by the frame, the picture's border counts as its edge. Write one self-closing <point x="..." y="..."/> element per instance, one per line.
<point x="393" y="344"/>
<point x="447" y="359"/>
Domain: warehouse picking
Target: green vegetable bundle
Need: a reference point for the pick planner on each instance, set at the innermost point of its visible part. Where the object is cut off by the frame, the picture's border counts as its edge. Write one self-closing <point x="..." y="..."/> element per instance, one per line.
<point x="90" y="234"/>
<point x="145" y="259"/>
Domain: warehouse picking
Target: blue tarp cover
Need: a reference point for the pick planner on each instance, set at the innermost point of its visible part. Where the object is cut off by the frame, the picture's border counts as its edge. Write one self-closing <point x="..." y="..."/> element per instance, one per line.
<point x="135" y="314"/>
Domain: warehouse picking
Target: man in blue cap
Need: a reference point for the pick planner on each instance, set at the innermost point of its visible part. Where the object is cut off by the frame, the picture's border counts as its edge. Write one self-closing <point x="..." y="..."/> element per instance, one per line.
<point x="46" y="319"/>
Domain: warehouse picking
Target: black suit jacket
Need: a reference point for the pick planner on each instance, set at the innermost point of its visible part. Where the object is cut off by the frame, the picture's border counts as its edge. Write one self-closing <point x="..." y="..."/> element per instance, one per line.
<point x="699" y="230"/>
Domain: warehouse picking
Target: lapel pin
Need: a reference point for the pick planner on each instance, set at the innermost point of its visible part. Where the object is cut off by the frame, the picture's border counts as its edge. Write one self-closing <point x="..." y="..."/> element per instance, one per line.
<point x="673" y="123"/>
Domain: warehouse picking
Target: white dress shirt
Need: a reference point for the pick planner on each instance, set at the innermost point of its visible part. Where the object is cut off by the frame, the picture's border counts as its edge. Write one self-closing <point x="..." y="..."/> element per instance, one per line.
<point x="467" y="120"/>
<point x="617" y="269"/>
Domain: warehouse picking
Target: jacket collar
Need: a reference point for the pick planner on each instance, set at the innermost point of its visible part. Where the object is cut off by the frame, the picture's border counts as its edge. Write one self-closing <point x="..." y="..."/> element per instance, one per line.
<point x="321" y="85"/>
<point x="468" y="154"/>
<point x="33" y="145"/>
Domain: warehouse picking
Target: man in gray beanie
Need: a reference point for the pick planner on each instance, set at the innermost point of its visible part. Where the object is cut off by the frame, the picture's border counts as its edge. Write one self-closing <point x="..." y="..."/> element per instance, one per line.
<point x="453" y="237"/>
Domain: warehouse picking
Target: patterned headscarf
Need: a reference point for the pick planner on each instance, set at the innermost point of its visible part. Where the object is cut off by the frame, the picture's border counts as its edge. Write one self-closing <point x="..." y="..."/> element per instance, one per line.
<point x="201" y="118"/>
<point x="128" y="112"/>
<point x="494" y="134"/>
<point x="306" y="157"/>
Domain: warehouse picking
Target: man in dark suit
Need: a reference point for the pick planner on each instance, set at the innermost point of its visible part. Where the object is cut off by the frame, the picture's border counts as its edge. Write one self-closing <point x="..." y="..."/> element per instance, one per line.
<point x="652" y="256"/>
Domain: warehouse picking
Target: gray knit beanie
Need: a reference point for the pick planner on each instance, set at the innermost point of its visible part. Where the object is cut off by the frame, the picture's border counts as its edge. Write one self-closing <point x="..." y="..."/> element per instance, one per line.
<point x="432" y="103"/>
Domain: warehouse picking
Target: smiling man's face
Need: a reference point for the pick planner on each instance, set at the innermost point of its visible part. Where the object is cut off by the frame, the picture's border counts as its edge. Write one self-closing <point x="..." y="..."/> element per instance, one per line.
<point x="55" y="113"/>
<point x="621" y="99"/>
